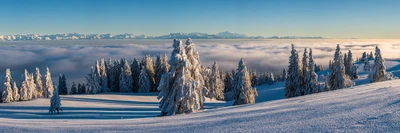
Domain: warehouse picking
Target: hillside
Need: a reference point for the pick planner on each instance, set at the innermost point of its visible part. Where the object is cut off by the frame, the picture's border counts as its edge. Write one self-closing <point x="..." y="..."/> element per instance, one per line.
<point x="365" y="108"/>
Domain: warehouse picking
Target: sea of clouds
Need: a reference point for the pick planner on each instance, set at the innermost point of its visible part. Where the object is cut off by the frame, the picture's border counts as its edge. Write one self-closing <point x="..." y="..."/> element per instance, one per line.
<point x="75" y="57"/>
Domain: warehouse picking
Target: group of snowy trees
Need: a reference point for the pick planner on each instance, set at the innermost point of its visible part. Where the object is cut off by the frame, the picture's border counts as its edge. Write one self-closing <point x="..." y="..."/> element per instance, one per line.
<point x="184" y="87"/>
<point x="31" y="86"/>
<point x="378" y="71"/>
<point x="301" y="80"/>
<point x="338" y="78"/>
<point x="126" y="76"/>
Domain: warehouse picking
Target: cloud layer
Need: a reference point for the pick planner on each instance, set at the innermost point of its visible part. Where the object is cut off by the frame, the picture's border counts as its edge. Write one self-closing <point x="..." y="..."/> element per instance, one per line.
<point x="74" y="58"/>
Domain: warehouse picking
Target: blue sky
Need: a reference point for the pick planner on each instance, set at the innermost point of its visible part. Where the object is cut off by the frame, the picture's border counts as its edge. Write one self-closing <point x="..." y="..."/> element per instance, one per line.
<point x="328" y="18"/>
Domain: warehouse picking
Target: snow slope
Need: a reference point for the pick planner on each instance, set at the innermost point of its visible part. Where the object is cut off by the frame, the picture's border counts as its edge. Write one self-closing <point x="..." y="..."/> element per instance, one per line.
<point x="365" y="108"/>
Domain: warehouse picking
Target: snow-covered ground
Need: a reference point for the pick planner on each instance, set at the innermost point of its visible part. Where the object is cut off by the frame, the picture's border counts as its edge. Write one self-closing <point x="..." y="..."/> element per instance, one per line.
<point x="364" y="108"/>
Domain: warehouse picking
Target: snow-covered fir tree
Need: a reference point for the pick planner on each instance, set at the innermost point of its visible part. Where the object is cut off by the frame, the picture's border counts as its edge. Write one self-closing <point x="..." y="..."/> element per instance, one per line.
<point x="271" y="78"/>
<point x="229" y="81"/>
<point x="161" y="67"/>
<point x="244" y="93"/>
<point x="216" y="84"/>
<point x="62" y="85"/>
<point x="367" y="67"/>
<point x="311" y="80"/>
<point x="148" y="63"/>
<point x="15" y="92"/>
<point x="254" y="79"/>
<point x="92" y="82"/>
<point x="345" y="61"/>
<point x="206" y="73"/>
<point x="38" y="83"/>
<point x="378" y="71"/>
<point x="292" y="84"/>
<point x="55" y="102"/>
<point x="371" y="56"/>
<point x="7" y="95"/>
<point x="125" y="83"/>
<point x="74" y="89"/>
<point x="135" y="69"/>
<point x="304" y="72"/>
<point x="353" y="73"/>
<point x="181" y="89"/>
<point x="284" y="74"/>
<point x="144" y="81"/>
<point x="338" y="79"/>
<point x="24" y="88"/>
<point x="364" y="57"/>
<point x="48" y="85"/>
<point x="103" y="76"/>
<point x="32" y="87"/>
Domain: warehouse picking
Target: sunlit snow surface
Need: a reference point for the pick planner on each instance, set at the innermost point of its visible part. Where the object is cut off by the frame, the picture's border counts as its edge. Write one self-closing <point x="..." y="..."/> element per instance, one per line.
<point x="74" y="57"/>
<point x="365" y="108"/>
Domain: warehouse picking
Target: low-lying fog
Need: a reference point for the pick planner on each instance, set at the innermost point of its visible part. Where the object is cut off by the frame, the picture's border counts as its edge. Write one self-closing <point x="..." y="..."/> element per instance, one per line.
<point x="74" y="57"/>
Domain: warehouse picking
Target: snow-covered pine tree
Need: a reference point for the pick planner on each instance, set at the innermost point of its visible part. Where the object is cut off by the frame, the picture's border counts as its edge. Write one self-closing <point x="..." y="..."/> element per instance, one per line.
<point x="15" y="92"/>
<point x="126" y="78"/>
<point x="109" y="72"/>
<point x="148" y="63"/>
<point x="103" y="76"/>
<point x="216" y="84"/>
<point x="353" y="73"/>
<point x="367" y="67"/>
<point x="90" y="83"/>
<point x="206" y="73"/>
<point x="371" y="56"/>
<point x="254" y="79"/>
<point x="55" y="103"/>
<point x="144" y="81"/>
<point x="292" y="84"/>
<point x="338" y="79"/>
<point x="38" y="83"/>
<point x="48" y="85"/>
<point x="24" y="88"/>
<point x="284" y="74"/>
<point x="123" y="87"/>
<point x="378" y="71"/>
<point x="228" y="81"/>
<point x="181" y="89"/>
<point x="304" y="72"/>
<point x="79" y="88"/>
<point x="7" y="95"/>
<point x="345" y="61"/>
<point x="32" y="87"/>
<point x="271" y="78"/>
<point x="157" y="69"/>
<point x="364" y="57"/>
<point x="244" y="93"/>
<point x="62" y="85"/>
<point x="135" y="69"/>
<point x="312" y="85"/>
<point x="74" y="90"/>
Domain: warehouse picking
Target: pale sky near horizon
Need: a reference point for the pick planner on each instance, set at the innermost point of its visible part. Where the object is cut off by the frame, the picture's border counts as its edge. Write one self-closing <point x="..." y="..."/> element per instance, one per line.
<point x="377" y="19"/>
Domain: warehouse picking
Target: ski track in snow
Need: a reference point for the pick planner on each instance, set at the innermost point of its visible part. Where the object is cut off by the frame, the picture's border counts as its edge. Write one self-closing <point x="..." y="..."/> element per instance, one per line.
<point x="364" y="108"/>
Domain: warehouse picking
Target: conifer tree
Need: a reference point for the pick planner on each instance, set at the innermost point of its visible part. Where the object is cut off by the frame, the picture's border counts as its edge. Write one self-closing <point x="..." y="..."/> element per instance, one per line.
<point x="144" y="81"/>
<point x="126" y="79"/>
<point x="7" y="95"/>
<point x="55" y="103"/>
<point x="378" y="72"/>
<point x="216" y="83"/>
<point x="181" y="88"/>
<point x="74" y="89"/>
<point x="48" y="85"/>
<point x="292" y="84"/>
<point x="284" y="74"/>
<point x="312" y="85"/>
<point x="38" y="83"/>
<point x="135" y="67"/>
<point x="62" y="85"/>
<point x="338" y="79"/>
<point x="353" y="73"/>
<point x="304" y="72"/>
<point x="148" y="63"/>
<point x="244" y="93"/>
<point x="15" y="92"/>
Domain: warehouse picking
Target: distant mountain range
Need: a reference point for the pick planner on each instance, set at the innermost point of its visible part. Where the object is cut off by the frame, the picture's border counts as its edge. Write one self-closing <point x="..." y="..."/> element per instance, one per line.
<point x="193" y="35"/>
